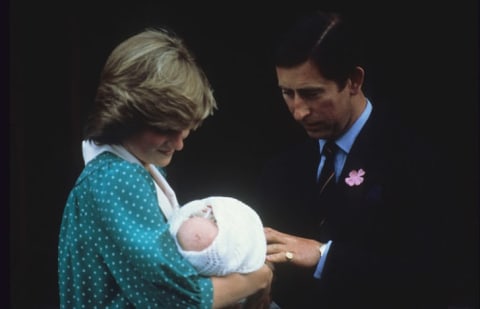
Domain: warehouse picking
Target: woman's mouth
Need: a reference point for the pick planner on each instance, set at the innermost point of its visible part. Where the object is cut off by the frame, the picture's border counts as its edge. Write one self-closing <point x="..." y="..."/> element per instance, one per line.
<point x="168" y="152"/>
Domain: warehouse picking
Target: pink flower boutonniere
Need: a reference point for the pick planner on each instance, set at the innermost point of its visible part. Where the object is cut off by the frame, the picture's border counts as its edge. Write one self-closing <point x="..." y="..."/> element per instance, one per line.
<point x="355" y="178"/>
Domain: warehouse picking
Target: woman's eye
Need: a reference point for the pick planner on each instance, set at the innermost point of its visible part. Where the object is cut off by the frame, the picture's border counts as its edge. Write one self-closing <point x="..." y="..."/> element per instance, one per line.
<point x="164" y="131"/>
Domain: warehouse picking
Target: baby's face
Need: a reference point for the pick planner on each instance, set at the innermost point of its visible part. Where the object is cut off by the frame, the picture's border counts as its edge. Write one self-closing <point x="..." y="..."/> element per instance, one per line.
<point x="196" y="233"/>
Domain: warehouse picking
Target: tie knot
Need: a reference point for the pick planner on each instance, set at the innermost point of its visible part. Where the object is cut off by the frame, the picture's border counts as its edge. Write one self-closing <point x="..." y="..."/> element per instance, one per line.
<point x="329" y="148"/>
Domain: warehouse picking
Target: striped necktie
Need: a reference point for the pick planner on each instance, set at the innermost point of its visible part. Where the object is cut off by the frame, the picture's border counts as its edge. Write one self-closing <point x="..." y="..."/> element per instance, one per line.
<point x="327" y="175"/>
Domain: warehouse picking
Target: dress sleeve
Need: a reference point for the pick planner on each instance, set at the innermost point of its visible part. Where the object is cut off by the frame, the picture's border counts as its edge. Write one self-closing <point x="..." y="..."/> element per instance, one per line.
<point x="135" y="244"/>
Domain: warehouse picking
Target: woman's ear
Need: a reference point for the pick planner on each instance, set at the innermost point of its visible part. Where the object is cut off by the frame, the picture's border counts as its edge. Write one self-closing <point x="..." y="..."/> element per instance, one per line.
<point x="356" y="80"/>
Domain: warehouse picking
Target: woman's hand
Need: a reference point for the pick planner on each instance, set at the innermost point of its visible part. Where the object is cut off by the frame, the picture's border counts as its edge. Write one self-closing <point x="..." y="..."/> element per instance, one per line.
<point x="230" y="289"/>
<point x="283" y="248"/>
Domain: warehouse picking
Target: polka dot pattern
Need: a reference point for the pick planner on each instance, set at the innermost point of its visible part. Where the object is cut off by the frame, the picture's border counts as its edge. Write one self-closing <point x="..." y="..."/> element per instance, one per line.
<point x="115" y="250"/>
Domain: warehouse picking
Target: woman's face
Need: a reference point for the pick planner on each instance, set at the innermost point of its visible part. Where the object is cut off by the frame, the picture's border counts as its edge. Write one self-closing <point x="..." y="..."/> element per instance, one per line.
<point x="157" y="148"/>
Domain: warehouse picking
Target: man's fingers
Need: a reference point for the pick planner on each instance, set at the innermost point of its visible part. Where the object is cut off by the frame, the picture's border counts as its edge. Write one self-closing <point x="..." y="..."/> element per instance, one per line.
<point x="274" y="236"/>
<point x="274" y="248"/>
<point x="277" y="257"/>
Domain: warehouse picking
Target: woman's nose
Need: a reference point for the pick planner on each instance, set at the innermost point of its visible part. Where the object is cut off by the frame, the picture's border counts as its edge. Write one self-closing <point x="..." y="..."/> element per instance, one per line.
<point x="177" y="139"/>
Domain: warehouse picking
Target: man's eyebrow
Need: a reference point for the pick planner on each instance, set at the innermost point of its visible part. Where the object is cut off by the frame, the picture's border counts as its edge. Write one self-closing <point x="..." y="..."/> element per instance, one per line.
<point x="306" y="88"/>
<point x="309" y="89"/>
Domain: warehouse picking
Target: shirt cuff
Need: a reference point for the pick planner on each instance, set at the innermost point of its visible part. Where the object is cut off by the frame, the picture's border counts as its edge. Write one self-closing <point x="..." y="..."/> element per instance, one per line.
<point x="321" y="263"/>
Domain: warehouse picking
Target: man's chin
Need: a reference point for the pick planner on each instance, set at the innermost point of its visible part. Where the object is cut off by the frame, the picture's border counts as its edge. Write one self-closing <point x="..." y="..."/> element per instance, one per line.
<point x="316" y="134"/>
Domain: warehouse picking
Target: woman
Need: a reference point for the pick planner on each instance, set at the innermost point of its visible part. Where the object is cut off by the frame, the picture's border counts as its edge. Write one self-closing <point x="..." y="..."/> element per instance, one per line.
<point x="115" y="249"/>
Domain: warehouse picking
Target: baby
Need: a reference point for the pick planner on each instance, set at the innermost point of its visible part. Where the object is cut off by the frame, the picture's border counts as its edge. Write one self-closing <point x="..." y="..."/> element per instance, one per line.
<point x="219" y="235"/>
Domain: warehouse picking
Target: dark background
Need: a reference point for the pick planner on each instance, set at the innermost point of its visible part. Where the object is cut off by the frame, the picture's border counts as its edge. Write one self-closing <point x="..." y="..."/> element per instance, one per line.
<point x="422" y="60"/>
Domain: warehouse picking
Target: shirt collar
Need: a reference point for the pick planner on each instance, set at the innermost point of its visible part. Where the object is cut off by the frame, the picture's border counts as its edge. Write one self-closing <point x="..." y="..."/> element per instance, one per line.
<point x="345" y="141"/>
<point x="90" y="150"/>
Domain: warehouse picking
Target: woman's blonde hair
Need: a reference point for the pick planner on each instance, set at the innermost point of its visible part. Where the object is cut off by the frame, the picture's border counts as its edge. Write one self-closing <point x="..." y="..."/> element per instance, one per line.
<point x="151" y="80"/>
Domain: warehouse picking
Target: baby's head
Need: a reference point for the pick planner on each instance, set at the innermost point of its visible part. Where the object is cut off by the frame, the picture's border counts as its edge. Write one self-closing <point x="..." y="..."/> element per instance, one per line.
<point x="197" y="233"/>
<point x="219" y="235"/>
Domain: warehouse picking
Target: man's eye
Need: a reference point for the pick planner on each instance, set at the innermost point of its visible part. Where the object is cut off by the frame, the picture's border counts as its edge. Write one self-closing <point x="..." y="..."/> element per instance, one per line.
<point x="287" y="92"/>
<point x="309" y="94"/>
<point x="312" y="95"/>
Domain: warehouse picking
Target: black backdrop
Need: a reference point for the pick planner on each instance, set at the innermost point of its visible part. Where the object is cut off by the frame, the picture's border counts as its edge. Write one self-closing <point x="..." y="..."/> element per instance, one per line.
<point x="422" y="59"/>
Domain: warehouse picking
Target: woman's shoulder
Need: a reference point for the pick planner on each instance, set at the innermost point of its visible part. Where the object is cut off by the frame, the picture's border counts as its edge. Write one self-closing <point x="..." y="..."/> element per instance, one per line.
<point x="109" y="166"/>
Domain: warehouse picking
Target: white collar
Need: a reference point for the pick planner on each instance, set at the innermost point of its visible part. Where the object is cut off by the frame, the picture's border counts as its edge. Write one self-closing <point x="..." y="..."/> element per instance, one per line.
<point x="90" y="150"/>
<point x="167" y="199"/>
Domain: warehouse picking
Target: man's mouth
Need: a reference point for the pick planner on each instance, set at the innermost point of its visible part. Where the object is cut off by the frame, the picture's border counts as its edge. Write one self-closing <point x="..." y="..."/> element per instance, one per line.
<point x="312" y="126"/>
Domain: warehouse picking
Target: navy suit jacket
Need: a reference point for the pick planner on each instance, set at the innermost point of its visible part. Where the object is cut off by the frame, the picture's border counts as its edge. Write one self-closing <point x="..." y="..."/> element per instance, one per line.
<point x="386" y="232"/>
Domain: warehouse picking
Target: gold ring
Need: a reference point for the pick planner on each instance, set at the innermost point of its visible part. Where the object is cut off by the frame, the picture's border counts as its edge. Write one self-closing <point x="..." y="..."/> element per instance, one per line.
<point x="289" y="256"/>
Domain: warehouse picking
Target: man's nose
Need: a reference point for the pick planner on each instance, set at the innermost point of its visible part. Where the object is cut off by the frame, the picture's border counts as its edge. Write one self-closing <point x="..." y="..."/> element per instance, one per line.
<point x="300" y="108"/>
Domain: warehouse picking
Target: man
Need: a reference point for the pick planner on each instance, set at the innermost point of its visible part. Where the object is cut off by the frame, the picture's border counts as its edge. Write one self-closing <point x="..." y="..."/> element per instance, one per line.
<point x="368" y="236"/>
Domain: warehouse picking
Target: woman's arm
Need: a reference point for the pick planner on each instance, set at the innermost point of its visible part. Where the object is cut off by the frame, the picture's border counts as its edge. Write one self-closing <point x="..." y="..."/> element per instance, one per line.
<point x="230" y="289"/>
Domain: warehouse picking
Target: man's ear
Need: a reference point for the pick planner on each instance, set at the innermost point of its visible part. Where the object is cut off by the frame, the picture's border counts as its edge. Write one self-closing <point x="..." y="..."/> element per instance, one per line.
<point x="356" y="80"/>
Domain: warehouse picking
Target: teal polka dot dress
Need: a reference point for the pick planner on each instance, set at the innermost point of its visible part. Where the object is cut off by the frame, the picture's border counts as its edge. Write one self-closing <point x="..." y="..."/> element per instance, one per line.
<point x="115" y="250"/>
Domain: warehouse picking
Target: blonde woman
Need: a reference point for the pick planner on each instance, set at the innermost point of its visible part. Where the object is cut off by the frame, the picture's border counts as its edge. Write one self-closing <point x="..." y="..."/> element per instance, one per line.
<point x="115" y="249"/>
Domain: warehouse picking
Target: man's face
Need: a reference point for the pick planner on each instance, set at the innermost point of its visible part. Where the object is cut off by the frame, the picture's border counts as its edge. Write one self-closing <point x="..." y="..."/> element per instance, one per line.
<point x="316" y="103"/>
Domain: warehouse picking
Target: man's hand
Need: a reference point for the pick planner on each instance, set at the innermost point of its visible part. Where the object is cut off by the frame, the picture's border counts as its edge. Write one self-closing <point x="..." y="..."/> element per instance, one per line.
<point x="282" y="248"/>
